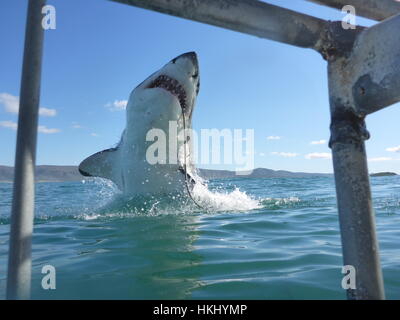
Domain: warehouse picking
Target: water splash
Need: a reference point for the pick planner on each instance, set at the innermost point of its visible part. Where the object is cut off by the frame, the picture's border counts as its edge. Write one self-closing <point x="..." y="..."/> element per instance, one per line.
<point x="222" y="200"/>
<point x="209" y="201"/>
<point x="100" y="199"/>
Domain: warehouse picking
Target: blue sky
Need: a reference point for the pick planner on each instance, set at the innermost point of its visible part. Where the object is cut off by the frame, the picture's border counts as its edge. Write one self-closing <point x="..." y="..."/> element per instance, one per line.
<point x="101" y="50"/>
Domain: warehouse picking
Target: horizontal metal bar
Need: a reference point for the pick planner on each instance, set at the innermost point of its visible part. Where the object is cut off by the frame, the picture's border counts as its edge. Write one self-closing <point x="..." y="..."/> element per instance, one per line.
<point x="248" y="16"/>
<point x="372" y="9"/>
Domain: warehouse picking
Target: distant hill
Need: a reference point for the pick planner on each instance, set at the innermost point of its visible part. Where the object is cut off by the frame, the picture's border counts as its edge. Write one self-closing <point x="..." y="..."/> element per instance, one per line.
<point x="258" y="173"/>
<point x="45" y="173"/>
<point x="71" y="173"/>
<point x="383" y="174"/>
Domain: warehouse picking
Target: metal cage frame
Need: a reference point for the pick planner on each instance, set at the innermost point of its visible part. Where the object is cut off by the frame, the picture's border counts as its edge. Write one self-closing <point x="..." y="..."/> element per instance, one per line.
<point x="364" y="77"/>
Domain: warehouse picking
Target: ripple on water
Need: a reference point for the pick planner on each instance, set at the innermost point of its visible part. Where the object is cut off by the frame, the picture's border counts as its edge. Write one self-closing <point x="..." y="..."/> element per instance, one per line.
<point x="253" y="239"/>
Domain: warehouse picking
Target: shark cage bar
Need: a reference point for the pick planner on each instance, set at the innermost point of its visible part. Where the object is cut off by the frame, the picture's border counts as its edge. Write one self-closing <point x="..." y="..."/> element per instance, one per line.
<point x="364" y="77"/>
<point x="19" y="260"/>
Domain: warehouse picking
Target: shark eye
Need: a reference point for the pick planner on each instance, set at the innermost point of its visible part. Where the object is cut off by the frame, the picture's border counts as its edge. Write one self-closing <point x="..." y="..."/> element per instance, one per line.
<point x="173" y="60"/>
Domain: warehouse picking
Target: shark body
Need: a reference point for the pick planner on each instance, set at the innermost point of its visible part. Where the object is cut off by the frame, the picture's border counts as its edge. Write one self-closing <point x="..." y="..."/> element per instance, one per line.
<point x="162" y="101"/>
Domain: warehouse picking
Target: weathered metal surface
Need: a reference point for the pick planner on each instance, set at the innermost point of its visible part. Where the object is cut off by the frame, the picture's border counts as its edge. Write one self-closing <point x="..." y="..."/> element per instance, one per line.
<point x="356" y="214"/>
<point x="19" y="263"/>
<point x="373" y="69"/>
<point x="336" y="41"/>
<point x="369" y="65"/>
<point x="248" y="16"/>
<point x="363" y="78"/>
<point x="357" y="222"/>
<point x="372" y="9"/>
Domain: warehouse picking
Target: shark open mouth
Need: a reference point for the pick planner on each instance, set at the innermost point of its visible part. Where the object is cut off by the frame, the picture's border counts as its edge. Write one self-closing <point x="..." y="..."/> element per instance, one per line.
<point x="172" y="86"/>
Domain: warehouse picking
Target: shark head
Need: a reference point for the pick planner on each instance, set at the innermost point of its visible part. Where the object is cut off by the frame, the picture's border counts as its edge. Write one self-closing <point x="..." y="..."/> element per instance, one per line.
<point x="167" y="95"/>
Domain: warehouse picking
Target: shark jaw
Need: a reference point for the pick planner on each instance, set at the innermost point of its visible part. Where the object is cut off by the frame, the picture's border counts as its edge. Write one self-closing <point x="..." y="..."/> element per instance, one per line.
<point x="167" y="95"/>
<point x="172" y="86"/>
<point x="178" y="80"/>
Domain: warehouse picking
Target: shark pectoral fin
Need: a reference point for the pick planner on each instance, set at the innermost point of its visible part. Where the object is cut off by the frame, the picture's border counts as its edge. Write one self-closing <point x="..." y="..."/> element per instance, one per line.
<point x="101" y="164"/>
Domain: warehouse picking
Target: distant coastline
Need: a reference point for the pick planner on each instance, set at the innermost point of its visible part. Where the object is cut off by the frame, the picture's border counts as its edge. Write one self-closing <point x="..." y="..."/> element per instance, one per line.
<point x="384" y="174"/>
<point x="50" y="173"/>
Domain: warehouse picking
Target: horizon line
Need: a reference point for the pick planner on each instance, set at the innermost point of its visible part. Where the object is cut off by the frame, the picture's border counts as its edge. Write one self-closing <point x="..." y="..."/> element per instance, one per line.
<point x="331" y="173"/>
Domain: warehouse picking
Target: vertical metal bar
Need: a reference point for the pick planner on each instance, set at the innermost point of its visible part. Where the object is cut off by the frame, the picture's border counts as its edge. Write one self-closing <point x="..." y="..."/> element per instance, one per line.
<point x="357" y="223"/>
<point x="356" y="214"/>
<point x="19" y="262"/>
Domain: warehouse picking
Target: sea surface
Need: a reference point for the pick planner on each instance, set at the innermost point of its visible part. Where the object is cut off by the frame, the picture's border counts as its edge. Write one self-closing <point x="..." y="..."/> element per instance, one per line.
<point x="252" y="239"/>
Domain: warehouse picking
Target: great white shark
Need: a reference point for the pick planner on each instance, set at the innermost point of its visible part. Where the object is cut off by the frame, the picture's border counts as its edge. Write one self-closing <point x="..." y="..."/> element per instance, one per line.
<point x="166" y="97"/>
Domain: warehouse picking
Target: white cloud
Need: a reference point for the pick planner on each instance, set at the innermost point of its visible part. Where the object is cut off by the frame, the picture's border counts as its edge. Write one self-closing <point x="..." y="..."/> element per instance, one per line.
<point x="10" y="102"/>
<point x="44" y="129"/>
<point x="394" y="149"/>
<point x="380" y="159"/>
<point x="318" y="142"/>
<point x="94" y="134"/>
<point x="47" y="112"/>
<point x="318" y="155"/>
<point x="9" y="124"/>
<point x="274" y="138"/>
<point x="117" y="105"/>
<point x="285" y="154"/>
<point x="11" y="105"/>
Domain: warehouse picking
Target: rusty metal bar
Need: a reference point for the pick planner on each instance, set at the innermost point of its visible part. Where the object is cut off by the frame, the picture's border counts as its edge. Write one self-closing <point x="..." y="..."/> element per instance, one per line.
<point x="247" y="16"/>
<point x="372" y="9"/>
<point x="19" y="262"/>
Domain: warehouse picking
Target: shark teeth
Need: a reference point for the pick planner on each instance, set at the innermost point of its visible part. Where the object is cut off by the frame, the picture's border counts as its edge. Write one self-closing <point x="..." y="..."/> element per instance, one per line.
<point x="172" y="86"/>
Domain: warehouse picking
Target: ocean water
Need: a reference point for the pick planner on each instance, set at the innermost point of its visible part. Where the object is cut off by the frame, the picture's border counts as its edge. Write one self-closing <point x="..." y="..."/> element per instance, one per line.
<point x="253" y="239"/>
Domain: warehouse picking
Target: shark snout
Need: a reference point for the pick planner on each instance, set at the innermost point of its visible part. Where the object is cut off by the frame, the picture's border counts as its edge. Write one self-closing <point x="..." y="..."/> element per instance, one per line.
<point x="192" y="57"/>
